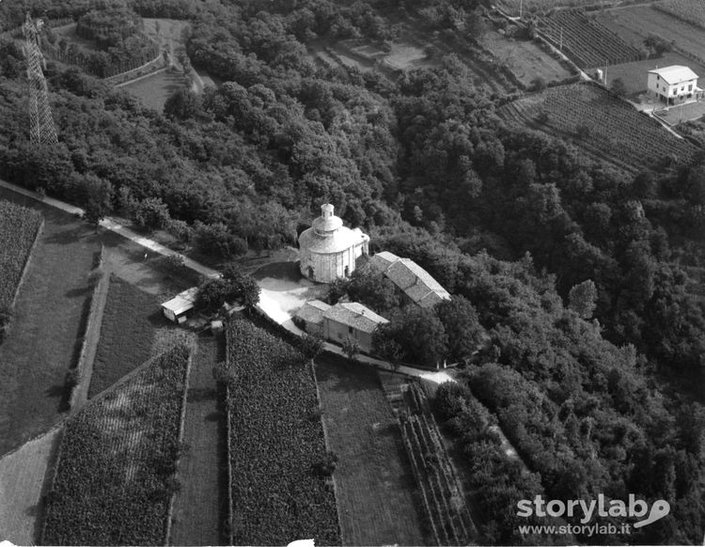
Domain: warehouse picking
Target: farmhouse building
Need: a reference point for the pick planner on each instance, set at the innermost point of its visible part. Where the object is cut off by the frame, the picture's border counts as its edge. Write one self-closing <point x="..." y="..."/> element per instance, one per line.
<point x="176" y="309"/>
<point x="328" y="250"/>
<point x="674" y="84"/>
<point x="345" y="320"/>
<point x="417" y="285"/>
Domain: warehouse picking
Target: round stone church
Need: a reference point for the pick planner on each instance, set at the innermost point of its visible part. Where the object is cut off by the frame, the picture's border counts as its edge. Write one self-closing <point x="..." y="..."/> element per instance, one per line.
<point x="327" y="250"/>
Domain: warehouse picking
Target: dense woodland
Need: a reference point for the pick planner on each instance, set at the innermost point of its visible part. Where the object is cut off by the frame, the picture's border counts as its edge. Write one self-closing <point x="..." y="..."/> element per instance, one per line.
<point x="578" y="274"/>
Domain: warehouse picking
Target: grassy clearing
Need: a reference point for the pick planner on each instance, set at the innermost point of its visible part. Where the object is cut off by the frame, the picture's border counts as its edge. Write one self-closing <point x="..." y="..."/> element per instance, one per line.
<point x="524" y="58"/>
<point x="634" y="74"/>
<point x="114" y="477"/>
<point x="18" y="230"/>
<point x="276" y="443"/>
<point x="636" y="23"/>
<point x="22" y="475"/>
<point x="375" y="486"/>
<point x="154" y="90"/>
<point x="126" y="334"/>
<point x="45" y="334"/>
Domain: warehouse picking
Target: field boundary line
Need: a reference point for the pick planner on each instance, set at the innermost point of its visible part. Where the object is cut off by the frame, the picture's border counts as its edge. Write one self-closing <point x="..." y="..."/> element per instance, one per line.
<point x="228" y="430"/>
<point x="328" y="449"/>
<point x="25" y="267"/>
<point x="91" y="338"/>
<point x="142" y="77"/>
<point x="182" y="421"/>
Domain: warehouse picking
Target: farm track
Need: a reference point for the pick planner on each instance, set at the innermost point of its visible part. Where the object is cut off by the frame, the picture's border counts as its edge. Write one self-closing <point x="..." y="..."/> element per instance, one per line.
<point x="198" y="509"/>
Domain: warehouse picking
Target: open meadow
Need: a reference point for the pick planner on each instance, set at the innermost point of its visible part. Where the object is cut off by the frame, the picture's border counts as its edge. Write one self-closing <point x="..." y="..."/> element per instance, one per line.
<point x="636" y="23"/>
<point x="155" y="89"/>
<point x="524" y="58"/>
<point x="48" y="315"/>
<point x="600" y="124"/>
<point x="377" y="495"/>
<point x="126" y="333"/>
<point x="22" y="481"/>
<point x="280" y="483"/>
<point x="114" y="476"/>
<point x="634" y="74"/>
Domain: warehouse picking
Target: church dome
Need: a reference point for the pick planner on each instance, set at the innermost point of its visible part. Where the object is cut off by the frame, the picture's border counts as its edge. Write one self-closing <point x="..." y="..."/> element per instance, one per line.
<point x="328" y="235"/>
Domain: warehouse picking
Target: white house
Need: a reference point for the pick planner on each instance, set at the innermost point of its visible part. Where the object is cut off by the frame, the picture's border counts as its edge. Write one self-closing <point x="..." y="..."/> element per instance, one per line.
<point x="328" y="250"/>
<point x="674" y="84"/>
<point x="345" y="320"/>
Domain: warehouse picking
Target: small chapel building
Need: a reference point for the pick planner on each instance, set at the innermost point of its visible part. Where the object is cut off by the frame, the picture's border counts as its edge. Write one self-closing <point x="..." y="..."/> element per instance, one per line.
<point x="328" y="250"/>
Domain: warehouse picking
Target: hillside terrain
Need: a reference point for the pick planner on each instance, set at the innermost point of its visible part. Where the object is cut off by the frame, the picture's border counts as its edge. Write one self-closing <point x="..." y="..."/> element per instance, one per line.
<point x="566" y="225"/>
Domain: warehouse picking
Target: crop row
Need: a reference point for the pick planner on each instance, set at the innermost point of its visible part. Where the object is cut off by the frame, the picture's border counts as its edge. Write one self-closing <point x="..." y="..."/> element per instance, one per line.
<point x="279" y="482"/>
<point x="441" y="492"/>
<point x="587" y="42"/>
<point x="601" y="123"/>
<point x="689" y="11"/>
<point x="19" y="228"/>
<point x="114" y="477"/>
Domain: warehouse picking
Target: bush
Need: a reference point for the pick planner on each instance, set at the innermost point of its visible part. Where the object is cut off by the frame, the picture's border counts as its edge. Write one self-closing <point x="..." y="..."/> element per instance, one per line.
<point x="326" y="467"/>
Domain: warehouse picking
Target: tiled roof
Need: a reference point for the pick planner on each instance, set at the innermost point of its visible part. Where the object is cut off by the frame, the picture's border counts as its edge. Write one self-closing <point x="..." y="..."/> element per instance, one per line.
<point x="355" y="315"/>
<point x="411" y="278"/>
<point x="382" y="260"/>
<point x="675" y="74"/>
<point x="312" y="311"/>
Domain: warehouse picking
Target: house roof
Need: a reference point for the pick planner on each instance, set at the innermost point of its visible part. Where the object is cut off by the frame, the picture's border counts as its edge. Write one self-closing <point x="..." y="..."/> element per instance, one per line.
<point x="312" y="311"/>
<point x="411" y="278"/>
<point x="354" y="314"/>
<point x="675" y="74"/>
<point x="182" y="302"/>
<point x="382" y="260"/>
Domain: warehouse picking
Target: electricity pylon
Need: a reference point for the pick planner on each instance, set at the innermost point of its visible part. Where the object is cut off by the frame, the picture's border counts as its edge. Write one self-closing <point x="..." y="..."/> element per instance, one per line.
<point x="41" y="122"/>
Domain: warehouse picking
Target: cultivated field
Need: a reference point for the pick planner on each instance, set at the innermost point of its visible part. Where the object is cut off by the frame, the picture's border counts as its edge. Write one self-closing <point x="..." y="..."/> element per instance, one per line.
<point x="524" y="58"/>
<point x="126" y="334"/>
<point x="374" y="483"/>
<point x="605" y="127"/>
<point x="277" y="450"/>
<point x="114" y="477"/>
<point x="585" y="40"/>
<point x="44" y="336"/>
<point x="636" y="23"/>
<point x="22" y="475"/>
<point x="18" y="230"/>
